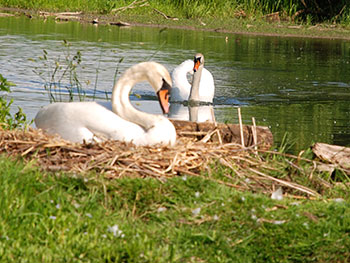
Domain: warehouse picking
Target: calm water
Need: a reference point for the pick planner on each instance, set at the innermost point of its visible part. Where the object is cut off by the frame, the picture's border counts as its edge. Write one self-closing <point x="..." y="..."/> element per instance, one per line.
<point x="292" y="85"/>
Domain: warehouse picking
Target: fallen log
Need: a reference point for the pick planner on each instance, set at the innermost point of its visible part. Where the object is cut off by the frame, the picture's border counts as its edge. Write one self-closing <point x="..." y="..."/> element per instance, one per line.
<point x="333" y="154"/>
<point x="226" y="133"/>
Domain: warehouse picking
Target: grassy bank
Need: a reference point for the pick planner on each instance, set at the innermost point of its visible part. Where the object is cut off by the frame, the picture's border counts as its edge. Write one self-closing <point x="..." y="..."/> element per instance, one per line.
<point x="58" y="218"/>
<point x="315" y="18"/>
<point x="316" y="11"/>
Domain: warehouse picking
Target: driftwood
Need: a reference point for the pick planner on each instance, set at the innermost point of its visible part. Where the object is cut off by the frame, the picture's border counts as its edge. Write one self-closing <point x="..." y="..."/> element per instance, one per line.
<point x="63" y="16"/>
<point x="336" y="156"/>
<point x="227" y="133"/>
<point x="5" y="14"/>
<point x="66" y="18"/>
<point x="119" y="23"/>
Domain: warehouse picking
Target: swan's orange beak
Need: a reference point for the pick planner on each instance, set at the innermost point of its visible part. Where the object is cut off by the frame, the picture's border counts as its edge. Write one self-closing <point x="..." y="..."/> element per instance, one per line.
<point x="163" y="97"/>
<point x="197" y="62"/>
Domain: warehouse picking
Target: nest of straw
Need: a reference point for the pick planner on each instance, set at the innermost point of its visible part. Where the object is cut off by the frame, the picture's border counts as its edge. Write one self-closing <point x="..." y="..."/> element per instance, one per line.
<point x="115" y="159"/>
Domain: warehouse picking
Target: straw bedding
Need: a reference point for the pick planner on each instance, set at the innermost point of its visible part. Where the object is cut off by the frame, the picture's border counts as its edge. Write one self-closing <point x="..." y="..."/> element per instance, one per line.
<point x="115" y="159"/>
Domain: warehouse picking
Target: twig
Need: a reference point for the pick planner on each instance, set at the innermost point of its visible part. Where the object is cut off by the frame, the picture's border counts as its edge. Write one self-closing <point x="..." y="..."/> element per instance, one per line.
<point x="213" y="116"/>
<point x="291" y="185"/>
<point x="241" y="127"/>
<point x="164" y="15"/>
<point x="132" y="5"/>
<point x="207" y="137"/>
<point x="341" y="11"/>
<point x="255" y="136"/>
<point x="215" y="124"/>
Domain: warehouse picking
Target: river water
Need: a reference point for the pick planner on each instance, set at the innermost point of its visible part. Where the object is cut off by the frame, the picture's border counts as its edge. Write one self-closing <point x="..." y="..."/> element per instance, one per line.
<point x="295" y="86"/>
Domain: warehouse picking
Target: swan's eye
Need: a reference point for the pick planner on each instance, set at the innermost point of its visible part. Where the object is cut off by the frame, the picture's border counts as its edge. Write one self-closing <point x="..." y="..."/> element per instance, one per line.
<point x="166" y="88"/>
<point x="197" y="63"/>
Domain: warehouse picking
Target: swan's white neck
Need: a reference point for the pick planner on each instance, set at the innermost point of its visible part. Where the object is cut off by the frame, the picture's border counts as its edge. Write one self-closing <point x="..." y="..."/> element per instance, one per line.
<point x="121" y="104"/>
<point x="194" y="95"/>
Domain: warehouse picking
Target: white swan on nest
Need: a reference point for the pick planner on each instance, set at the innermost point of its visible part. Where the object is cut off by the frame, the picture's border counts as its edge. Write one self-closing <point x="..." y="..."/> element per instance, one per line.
<point x="89" y="121"/>
<point x="182" y="88"/>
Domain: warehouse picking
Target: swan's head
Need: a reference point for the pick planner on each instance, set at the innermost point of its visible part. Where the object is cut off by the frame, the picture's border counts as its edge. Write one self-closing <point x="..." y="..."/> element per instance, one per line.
<point x="160" y="80"/>
<point x="198" y="61"/>
<point x="156" y="74"/>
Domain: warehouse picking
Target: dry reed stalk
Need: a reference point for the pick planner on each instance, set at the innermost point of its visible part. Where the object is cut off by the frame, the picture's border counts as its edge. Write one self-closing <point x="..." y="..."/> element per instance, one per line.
<point x="255" y="136"/>
<point x="241" y="127"/>
<point x="115" y="159"/>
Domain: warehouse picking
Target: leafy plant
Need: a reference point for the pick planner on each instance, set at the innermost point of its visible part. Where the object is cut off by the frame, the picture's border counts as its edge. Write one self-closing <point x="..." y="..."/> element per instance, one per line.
<point x="7" y="121"/>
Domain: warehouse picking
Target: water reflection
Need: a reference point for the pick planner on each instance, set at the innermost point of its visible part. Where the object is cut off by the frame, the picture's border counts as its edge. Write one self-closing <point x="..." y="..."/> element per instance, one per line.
<point x="201" y="113"/>
<point x="294" y="85"/>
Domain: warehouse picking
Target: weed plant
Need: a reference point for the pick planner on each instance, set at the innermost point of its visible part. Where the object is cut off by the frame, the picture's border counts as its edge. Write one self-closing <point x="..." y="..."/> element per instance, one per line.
<point x="60" y="76"/>
<point x="7" y="121"/>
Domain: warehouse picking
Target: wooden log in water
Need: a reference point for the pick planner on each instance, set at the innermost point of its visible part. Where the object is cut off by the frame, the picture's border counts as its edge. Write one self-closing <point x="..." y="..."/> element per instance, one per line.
<point x="229" y="133"/>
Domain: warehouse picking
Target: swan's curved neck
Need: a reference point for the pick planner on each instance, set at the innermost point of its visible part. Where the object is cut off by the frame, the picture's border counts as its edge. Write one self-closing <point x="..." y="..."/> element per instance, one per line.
<point x="194" y="95"/>
<point x="121" y="104"/>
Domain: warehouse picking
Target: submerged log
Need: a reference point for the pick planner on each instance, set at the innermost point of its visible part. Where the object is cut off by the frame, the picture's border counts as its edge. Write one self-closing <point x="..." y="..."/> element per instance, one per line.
<point x="229" y="133"/>
<point x="333" y="154"/>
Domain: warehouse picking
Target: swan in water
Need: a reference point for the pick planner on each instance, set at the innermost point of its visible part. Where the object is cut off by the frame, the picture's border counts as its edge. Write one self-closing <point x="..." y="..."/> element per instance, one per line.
<point x="118" y="120"/>
<point x="201" y="90"/>
<point x="182" y="88"/>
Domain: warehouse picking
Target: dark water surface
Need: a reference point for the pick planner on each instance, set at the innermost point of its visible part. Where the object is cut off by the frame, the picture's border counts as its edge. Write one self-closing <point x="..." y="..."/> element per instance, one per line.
<point x="297" y="86"/>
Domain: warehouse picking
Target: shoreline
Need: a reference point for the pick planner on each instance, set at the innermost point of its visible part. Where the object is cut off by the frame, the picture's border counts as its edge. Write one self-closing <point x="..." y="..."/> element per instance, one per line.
<point x="272" y="29"/>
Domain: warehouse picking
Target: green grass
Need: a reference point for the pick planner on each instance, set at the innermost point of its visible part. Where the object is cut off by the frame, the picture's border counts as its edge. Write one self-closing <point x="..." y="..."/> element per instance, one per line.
<point x="315" y="11"/>
<point x="239" y="16"/>
<point x="48" y="217"/>
<point x="103" y="6"/>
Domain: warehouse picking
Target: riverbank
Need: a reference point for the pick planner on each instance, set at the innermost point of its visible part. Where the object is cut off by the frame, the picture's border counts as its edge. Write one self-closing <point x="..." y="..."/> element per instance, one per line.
<point x="268" y="25"/>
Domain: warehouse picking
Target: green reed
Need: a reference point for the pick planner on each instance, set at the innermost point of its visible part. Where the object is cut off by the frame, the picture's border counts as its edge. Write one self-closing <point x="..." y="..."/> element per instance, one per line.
<point x="60" y="75"/>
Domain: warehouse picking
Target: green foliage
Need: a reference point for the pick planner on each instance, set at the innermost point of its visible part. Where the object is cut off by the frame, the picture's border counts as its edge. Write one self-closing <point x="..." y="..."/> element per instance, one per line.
<point x="308" y="10"/>
<point x="4" y="84"/>
<point x="316" y="11"/>
<point x="7" y="121"/>
<point x="59" y="218"/>
<point x="99" y="6"/>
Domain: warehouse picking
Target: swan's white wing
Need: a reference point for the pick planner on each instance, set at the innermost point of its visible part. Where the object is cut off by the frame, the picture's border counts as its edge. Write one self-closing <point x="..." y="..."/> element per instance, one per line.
<point x="79" y="121"/>
<point x="206" y="86"/>
<point x="163" y="132"/>
<point x="181" y="88"/>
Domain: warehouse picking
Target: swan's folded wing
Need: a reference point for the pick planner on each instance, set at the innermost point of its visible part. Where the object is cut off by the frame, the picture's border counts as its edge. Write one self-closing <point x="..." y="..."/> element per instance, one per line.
<point x="86" y="121"/>
<point x="206" y="86"/>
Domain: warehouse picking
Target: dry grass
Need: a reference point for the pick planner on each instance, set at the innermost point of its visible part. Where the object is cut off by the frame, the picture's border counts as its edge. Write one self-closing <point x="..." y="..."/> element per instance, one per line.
<point x="240" y="168"/>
